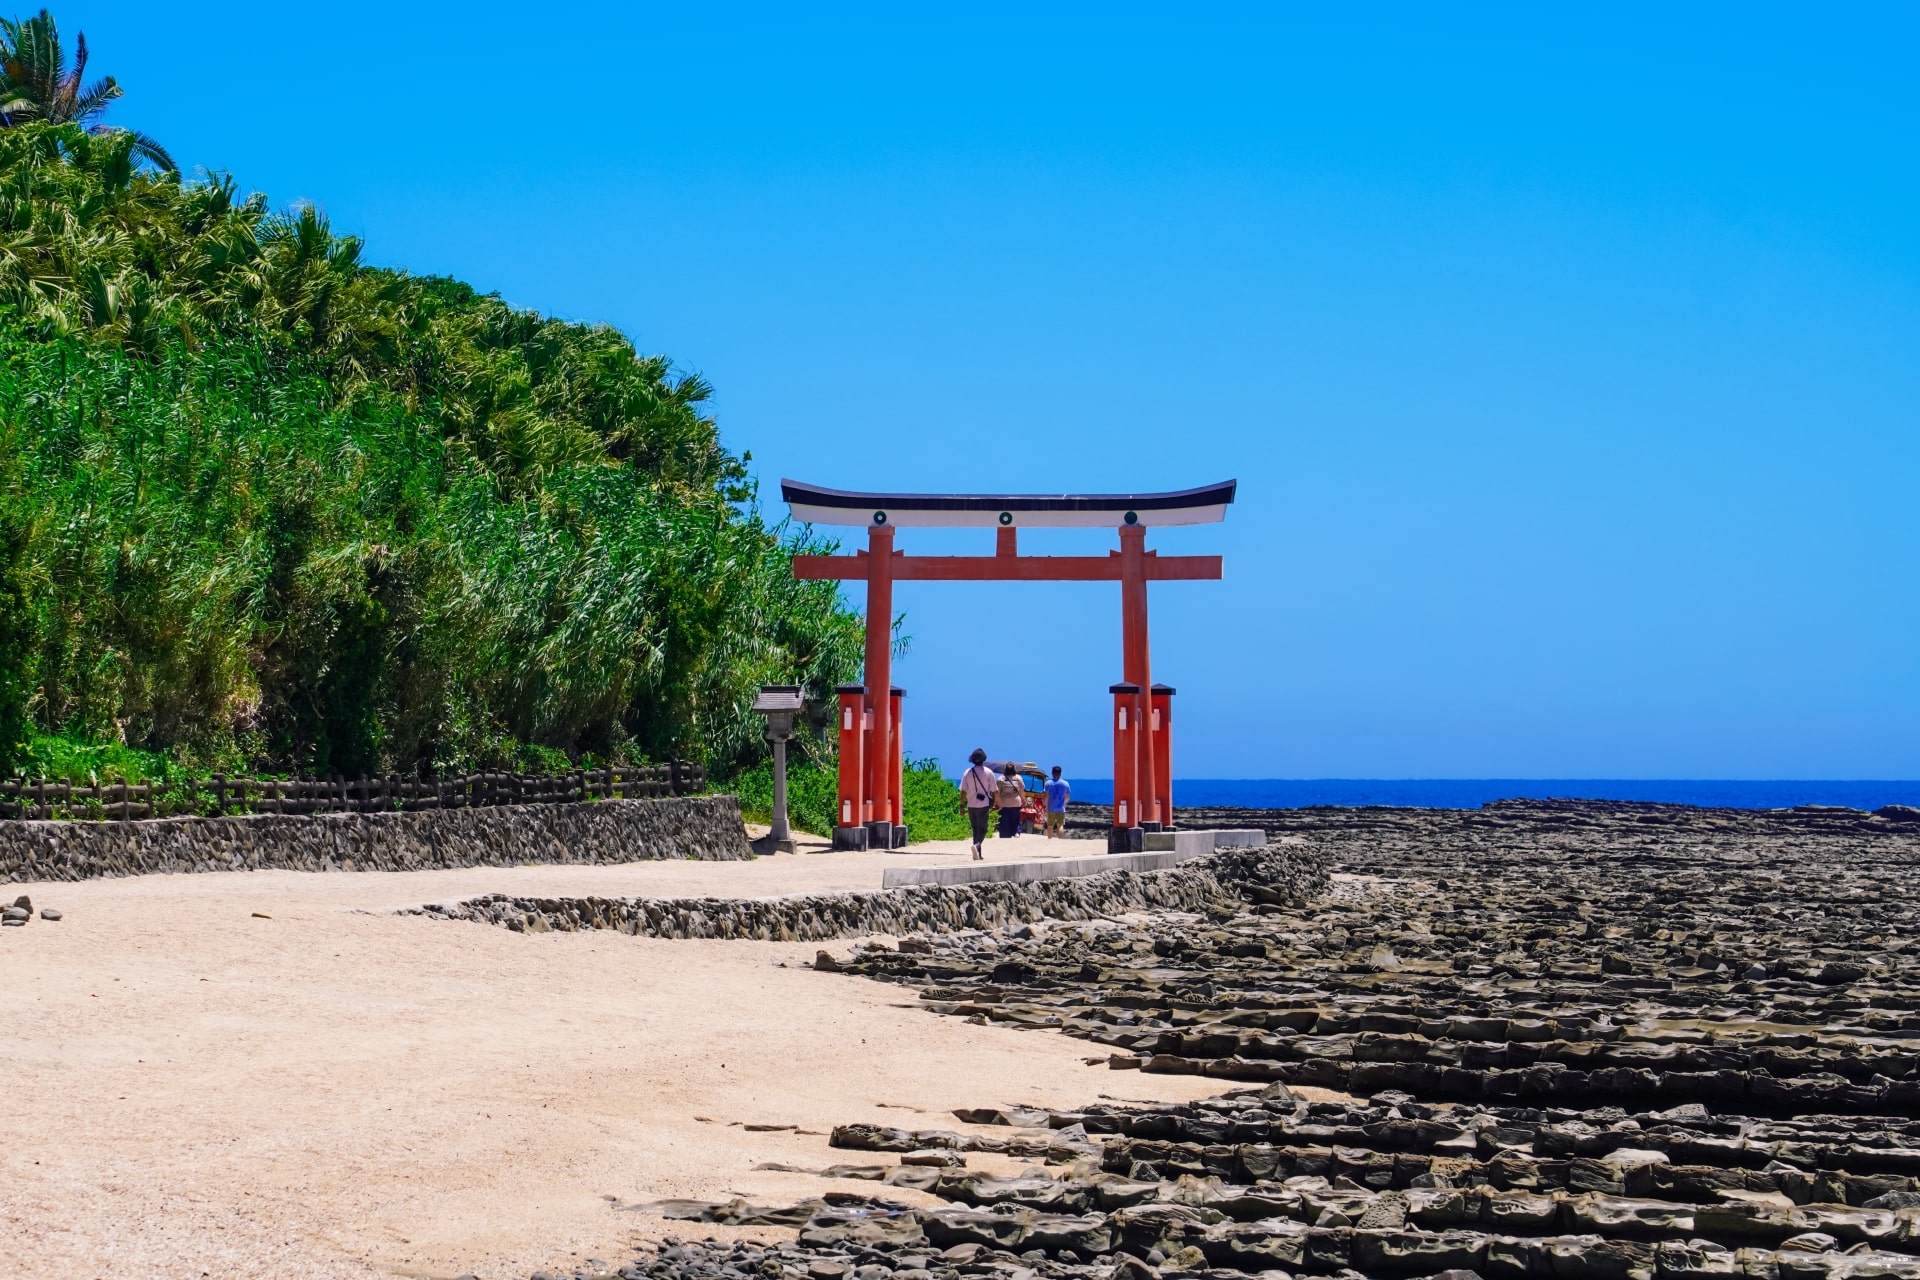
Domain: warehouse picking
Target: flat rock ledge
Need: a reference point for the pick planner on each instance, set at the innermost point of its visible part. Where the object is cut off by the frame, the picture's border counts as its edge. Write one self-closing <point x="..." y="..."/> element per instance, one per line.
<point x="707" y="828"/>
<point x="1565" y="1042"/>
<point x="1219" y="883"/>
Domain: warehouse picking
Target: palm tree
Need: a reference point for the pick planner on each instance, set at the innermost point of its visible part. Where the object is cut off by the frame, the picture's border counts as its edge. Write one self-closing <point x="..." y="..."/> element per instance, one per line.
<point x="36" y="84"/>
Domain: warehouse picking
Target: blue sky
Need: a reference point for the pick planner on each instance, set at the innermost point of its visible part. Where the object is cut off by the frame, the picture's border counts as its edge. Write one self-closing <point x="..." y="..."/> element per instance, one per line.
<point x="1569" y="362"/>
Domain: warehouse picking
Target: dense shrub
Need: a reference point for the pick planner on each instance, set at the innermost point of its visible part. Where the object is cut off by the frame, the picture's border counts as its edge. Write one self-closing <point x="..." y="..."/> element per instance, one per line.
<point x="263" y="506"/>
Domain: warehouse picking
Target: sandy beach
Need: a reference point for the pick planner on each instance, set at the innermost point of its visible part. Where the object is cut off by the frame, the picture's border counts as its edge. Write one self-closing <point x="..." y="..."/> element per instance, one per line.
<point x="271" y="1073"/>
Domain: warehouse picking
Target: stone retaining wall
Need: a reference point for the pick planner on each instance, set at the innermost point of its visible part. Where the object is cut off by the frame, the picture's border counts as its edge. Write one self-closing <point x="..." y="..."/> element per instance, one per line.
<point x="1294" y="873"/>
<point x="704" y="827"/>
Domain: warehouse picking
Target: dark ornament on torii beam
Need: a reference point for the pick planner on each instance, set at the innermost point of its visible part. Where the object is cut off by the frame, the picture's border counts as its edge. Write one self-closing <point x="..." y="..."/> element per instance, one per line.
<point x="871" y="813"/>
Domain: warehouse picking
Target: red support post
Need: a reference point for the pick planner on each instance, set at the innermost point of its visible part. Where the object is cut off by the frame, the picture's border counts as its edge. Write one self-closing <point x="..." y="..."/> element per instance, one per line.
<point x="1135" y="666"/>
<point x="879" y="672"/>
<point x="853" y="784"/>
<point x="899" y="818"/>
<point x="1162" y="726"/>
<point x="866" y="764"/>
<point x="1126" y="725"/>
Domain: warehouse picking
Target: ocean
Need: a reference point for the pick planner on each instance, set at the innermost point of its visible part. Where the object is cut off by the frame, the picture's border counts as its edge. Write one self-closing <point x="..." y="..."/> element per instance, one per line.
<point x="1471" y="793"/>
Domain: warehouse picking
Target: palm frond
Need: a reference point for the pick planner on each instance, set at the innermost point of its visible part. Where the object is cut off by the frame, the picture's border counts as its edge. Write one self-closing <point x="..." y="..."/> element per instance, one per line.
<point x="152" y="152"/>
<point x="82" y="106"/>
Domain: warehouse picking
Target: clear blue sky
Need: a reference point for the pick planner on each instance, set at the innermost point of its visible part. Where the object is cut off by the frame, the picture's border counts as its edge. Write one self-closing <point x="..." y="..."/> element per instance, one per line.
<point x="1569" y="361"/>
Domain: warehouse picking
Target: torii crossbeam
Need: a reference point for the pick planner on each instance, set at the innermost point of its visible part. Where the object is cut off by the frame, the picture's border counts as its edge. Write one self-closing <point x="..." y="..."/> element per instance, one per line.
<point x="871" y="813"/>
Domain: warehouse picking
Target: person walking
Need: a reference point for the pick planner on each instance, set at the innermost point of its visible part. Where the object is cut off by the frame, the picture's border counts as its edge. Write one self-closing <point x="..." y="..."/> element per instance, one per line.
<point x="1010" y="795"/>
<point x="1057" y="792"/>
<point x="977" y="790"/>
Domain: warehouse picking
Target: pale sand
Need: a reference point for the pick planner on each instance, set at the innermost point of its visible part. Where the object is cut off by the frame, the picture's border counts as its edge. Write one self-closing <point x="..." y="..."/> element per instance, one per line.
<point x="187" y="1090"/>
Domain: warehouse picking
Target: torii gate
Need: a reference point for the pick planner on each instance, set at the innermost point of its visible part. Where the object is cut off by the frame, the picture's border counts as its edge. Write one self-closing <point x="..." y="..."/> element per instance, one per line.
<point x="871" y="812"/>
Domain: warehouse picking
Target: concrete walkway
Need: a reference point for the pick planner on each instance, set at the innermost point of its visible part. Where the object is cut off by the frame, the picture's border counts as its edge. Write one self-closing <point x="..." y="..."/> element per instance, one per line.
<point x="1025" y="870"/>
<point x="816" y="868"/>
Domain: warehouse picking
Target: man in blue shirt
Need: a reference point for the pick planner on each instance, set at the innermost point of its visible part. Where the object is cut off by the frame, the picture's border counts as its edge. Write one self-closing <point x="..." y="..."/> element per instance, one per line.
<point x="1057" y="792"/>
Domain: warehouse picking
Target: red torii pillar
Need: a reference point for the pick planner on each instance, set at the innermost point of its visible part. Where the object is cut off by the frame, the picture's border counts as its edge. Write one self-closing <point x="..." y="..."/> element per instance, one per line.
<point x="871" y="811"/>
<point x="1135" y="669"/>
<point x="879" y="784"/>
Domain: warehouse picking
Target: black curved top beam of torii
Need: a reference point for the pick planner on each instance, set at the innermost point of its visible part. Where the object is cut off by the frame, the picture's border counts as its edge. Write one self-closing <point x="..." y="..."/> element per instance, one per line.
<point x="816" y="505"/>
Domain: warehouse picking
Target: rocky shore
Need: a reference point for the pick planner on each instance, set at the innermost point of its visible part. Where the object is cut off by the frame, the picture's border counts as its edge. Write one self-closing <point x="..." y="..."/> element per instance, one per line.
<point x="1561" y="1040"/>
<point x="1380" y="831"/>
<point x="1292" y="873"/>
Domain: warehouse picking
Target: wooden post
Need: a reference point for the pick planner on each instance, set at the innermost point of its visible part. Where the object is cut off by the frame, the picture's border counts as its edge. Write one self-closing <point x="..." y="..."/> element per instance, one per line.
<point x="1126" y="809"/>
<point x="851" y="742"/>
<point x="879" y="671"/>
<point x="895" y="767"/>
<point x="1162" y="724"/>
<point x="1136" y="667"/>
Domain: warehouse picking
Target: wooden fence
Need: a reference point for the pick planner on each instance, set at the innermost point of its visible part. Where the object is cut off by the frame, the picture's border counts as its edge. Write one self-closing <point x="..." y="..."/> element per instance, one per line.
<point x="121" y="800"/>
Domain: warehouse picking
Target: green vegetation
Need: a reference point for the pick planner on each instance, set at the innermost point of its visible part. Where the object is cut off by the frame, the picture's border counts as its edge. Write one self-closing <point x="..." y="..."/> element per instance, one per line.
<point x="266" y="507"/>
<point x="813" y="791"/>
<point x="54" y="756"/>
<point x="37" y="84"/>
<point x="933" y="805"/>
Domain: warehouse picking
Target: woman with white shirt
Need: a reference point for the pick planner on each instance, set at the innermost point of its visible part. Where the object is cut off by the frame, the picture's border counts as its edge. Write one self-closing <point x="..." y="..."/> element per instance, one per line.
<point x="977" y="790"/>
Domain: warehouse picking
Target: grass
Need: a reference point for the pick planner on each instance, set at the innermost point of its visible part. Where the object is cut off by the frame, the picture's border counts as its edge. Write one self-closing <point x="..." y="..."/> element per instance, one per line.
<point x="813" y="792"/>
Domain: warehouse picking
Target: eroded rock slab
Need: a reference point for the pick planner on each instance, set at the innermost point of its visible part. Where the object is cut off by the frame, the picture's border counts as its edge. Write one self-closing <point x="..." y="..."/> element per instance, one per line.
<point x="1564" y="1040"/>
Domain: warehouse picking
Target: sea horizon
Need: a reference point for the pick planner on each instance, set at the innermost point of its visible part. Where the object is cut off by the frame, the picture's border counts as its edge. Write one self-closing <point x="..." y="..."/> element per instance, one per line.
<point x="1472" y="793"/>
